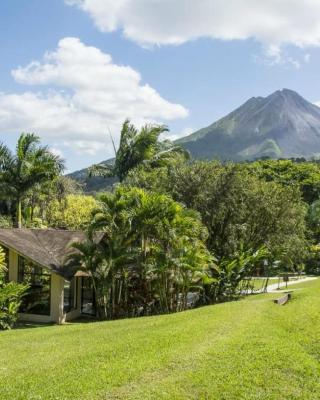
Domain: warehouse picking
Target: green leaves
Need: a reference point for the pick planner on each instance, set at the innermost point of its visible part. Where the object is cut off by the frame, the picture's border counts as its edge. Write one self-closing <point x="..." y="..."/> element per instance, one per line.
<point x="31" y="165"/>
<point x="10" y="297"/>
<point x="73" y="213"/>
<point x="238" y="207"/>
<point x="303" y="175"/>
<point x="225" y="277"/>
<point x="103" y="170"/>
<point x="3" y="267"/>
<point x="138" y="148"/>
<point x="151" y="255"/>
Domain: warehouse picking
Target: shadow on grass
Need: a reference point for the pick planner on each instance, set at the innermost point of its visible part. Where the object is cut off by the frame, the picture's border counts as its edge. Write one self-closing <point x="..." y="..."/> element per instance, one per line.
<point x="84" y="320"/>
<point x="28" y="325"/>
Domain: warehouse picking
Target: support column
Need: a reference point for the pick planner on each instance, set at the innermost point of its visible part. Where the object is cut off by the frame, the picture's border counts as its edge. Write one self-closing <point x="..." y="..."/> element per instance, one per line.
<point x="57" y="288"/>
<point x="13" y="266"/>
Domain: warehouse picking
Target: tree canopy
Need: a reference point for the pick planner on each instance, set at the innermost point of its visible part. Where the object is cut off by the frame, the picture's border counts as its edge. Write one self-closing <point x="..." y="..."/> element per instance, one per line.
<point x="30" y="165"/>
<point x="176" y="232"/>
<point x="138" y="147"/>
<point x="237" y="207"/>
<point x="153" y="252"/>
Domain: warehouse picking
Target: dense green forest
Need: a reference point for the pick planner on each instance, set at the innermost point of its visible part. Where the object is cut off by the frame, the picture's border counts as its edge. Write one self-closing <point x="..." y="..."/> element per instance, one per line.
<point x="173" y="225"/>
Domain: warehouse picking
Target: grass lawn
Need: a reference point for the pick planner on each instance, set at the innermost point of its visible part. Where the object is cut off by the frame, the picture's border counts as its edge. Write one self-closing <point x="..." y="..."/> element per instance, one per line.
<point x="249" y="349"/>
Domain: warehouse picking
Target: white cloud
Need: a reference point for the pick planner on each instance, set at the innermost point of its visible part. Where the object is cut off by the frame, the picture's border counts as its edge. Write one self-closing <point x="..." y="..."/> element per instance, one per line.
<point x="161" y="22"/>
<point x="175" y="22"/>
<point x="88" y="95"/>
<point x="274" y="55"/>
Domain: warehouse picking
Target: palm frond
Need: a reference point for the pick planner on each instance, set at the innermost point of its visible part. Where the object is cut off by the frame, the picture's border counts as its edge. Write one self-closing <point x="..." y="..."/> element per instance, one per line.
<point x="26" y="143"/>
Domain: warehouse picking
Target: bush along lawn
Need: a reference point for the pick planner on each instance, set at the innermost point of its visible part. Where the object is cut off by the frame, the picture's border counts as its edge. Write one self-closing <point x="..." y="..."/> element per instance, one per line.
<point x="247" y="349"/>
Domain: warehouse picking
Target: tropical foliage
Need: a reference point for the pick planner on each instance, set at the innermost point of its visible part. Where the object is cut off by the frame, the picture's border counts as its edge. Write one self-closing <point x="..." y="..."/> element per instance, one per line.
<point x="29" y="167"/>
<point x="172" y="233"/>
<point x="226" y="278"/>
<point x="152" y="255"/>
<point x="10" y="297"/>
<point x="301" y="174"/>
<point x="140" y="147"/>
<point x="74" y="212"/>
<point x="238" y="209"/>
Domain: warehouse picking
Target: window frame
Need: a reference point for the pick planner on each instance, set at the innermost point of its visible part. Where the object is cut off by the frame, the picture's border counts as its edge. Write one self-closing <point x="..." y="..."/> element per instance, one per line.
<point x="72" y="295"/>
<point x="36" y="268"/>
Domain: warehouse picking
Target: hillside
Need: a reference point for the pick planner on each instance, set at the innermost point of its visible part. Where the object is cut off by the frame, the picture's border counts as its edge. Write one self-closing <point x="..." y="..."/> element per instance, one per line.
<point x="283" y="124"/>
<point x="250" y="349"/>
<point x="94" y="184"/>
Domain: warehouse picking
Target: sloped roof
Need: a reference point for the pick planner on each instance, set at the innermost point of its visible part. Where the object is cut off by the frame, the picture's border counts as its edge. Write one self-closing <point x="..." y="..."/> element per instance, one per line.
<point x="46" y="247"/>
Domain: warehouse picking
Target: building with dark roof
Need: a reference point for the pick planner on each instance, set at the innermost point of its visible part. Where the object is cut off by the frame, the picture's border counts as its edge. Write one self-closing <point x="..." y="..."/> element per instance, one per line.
<point x="58" y="290"/>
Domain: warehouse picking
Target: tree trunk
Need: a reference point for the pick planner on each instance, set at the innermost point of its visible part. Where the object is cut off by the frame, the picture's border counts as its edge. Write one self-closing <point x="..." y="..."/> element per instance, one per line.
<point x="18" y="222"/>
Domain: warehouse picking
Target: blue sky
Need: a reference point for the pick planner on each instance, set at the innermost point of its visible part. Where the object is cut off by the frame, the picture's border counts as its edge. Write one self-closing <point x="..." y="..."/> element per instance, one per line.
<point x="185" y="74"/>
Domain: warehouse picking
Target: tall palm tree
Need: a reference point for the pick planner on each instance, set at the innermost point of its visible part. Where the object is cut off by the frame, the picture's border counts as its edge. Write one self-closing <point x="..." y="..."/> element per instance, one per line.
<point x="31" y="165"/>
<point x="138" y="147"/>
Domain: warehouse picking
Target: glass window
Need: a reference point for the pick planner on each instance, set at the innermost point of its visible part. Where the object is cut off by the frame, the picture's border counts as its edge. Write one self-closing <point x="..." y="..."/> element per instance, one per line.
<point x="37" y="300"/>
<point x="70" y="295"/>
<point x="88" y="305"/>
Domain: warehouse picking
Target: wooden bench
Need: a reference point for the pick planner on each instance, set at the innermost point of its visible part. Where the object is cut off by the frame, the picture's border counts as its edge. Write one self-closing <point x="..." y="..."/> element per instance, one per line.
<point x="283" y="300"/>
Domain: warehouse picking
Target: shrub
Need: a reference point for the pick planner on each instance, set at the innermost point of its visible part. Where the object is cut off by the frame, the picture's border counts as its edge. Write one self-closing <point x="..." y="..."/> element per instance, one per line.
<point x="73" y="213"/>
<point x="10" y="297"/>
<point x="5" y="221"/>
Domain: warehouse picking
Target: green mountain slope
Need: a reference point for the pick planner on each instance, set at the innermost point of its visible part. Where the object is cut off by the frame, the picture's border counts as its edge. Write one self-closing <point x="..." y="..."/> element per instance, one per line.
<point x="283" y="124"/>
<point x="94" y="184"/>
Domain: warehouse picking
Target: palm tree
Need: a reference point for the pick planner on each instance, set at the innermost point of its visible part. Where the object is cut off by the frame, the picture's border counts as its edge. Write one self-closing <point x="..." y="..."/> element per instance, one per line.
<point x="165" y="241"/>
<point x="31" y="165"/>
<point x="139" y="147"/>
<point x="105" y="261"/>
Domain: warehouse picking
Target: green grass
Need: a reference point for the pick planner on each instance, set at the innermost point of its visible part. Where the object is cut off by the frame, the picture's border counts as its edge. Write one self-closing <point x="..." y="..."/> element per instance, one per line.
<point x="249" y="349"/>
